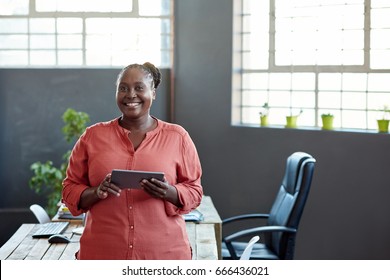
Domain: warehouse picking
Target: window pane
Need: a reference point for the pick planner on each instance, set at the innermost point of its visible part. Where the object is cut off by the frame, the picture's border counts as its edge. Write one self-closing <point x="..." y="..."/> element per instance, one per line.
<point x="13" y="58"/>
<point x="380" y="59"/>
<point x="354" y="81"/>
<point x="42" y="25"/>
<point x="69" y="25"/>
<point x="14" y="7"/>
<point x="13" y="41"/>
<point x="378" y="82"/>
<point x="13" y="26"/>
<point x="70" y="58"/>
<point x="376" y="100"/>
<point x="84" y="5"/>
<point x="379" y="38"/>
<point x="303" y="81"/>
<point x="303" y="99"/>
<point x="252" y="98"/>
<point x="97" y="58"/>
<point x="329" y="100"/>
<point x="43" y="58"/>
<point x="353" y="119"/>
<point x="280" y="81"/>
<point x="353" y="100"/>
<point x="330" y="81"/>
<point x="280" y="99"/>
<point x="380" y="18"/>
<point x="42" y="42"/>
<point x="255" y="81"/>
<point x="69" y="41"/>
<point x="154" y="7"/>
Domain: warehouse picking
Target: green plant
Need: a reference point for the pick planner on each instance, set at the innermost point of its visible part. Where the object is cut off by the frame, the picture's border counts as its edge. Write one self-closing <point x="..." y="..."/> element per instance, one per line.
<point x="265" y="110"/>
<point x="385" y="112"/>
<point x="295" y="115"/>
<point x="327" y="115"/>
<point x="47" y="179"/>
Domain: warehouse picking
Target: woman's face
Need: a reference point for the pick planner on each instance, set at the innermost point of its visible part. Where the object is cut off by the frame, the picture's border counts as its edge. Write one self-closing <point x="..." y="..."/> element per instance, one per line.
<point x="134" y="93"/>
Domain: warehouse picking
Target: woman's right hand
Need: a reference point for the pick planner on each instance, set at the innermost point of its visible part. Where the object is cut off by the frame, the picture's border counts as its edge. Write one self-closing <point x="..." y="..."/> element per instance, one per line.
<point x="94" y="194"/>
<point x="107" y="187"/>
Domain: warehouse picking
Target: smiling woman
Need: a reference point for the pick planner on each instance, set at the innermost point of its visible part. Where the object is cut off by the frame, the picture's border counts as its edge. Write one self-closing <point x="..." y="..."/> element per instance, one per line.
<point x="143" y="223"/>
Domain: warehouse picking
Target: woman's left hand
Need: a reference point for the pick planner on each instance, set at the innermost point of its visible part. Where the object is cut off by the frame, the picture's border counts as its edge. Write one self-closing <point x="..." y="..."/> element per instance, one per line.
<point x="160" y="189"/>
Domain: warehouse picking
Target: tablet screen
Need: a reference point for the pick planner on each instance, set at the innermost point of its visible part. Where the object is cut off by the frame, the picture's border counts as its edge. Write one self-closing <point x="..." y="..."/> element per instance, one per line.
<point x="132" y="178"/>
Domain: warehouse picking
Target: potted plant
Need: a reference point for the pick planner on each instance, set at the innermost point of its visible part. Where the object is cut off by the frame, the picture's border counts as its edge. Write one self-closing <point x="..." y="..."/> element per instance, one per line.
<point x="291" y="120"/>
<point x="383" y="122"/>
<point x="327" y="121"/>
<point x="47" y="179"/>
<point x="264" y="115"/>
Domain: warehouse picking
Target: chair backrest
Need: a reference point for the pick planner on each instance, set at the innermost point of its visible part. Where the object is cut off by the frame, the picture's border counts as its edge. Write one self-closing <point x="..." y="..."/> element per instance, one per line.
<point x="40" y="213"/>
<point x="289" y="203"/>
<point x="248" y="249"/>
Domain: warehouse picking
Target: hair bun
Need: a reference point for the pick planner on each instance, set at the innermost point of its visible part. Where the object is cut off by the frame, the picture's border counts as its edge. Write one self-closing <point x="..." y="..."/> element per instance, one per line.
<point x="155" y="73"/>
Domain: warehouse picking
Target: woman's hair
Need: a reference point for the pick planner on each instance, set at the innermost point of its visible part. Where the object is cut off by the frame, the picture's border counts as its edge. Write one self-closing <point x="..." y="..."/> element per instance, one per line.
<point x="148" y="68"/>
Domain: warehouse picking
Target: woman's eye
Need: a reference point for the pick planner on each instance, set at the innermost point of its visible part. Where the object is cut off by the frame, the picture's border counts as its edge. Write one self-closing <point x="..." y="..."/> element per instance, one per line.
<point x="122" y="88"/>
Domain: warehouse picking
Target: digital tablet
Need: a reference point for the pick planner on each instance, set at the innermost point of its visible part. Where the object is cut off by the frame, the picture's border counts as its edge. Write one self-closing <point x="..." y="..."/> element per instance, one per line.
<point x="132" y="178"/>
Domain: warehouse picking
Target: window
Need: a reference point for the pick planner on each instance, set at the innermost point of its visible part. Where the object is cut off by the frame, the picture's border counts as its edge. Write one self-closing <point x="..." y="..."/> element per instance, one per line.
<point x="321" y="56"/>
<point x="85" y="33"/>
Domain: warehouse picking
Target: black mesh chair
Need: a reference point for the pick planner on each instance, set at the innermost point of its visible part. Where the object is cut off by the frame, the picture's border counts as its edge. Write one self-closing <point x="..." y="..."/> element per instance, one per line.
<point x="281" y="223"/>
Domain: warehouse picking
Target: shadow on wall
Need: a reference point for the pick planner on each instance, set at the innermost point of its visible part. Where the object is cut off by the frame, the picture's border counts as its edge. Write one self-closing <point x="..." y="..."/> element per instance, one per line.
<point x="11" y="220"/>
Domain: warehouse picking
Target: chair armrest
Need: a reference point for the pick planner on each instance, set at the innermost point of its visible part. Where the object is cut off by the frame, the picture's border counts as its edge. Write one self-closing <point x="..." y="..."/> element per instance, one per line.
<point x="252" y="232"/>
<point x="257" y="231"/>
<point x="244" y="217"/>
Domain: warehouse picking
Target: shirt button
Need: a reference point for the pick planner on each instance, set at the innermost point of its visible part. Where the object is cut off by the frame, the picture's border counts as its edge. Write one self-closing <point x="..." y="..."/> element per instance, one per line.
<point x="132" y="227"/>
<point x="131" y="246"/>
<point x="130" y="207"/>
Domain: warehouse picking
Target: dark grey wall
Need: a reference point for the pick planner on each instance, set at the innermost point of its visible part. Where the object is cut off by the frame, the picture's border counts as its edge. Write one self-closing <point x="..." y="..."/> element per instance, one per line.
<point x="347" y="212"/>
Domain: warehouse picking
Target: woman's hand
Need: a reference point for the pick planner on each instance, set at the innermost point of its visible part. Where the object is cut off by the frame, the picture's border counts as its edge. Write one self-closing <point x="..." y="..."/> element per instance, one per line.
<point x="160" y="189"/>
<point x="94" y="194"/>
<point x="107" y="187"/>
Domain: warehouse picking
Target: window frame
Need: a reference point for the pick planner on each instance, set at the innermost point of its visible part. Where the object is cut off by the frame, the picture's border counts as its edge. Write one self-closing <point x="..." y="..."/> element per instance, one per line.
<point x="238" y="71"/>
<point x="166" y="48"/>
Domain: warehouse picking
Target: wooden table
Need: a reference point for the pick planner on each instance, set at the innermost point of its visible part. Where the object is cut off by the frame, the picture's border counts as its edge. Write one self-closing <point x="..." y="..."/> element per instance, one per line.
<point x="212" y="217"/>
<point x="205" y="238"/>
<point x="21" y="246"/>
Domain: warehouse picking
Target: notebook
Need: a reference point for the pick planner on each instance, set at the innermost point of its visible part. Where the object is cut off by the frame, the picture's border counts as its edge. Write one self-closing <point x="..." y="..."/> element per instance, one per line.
<point x="193" y="216"/>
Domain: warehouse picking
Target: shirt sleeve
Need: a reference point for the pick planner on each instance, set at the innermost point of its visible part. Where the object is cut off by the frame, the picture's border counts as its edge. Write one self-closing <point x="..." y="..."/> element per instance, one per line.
<point x="76" y="180"/>
<point x="188" y="184"/>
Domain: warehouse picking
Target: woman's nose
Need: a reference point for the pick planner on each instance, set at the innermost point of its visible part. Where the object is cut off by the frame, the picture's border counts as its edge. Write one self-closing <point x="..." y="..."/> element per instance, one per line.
<point x="132" y="93"/>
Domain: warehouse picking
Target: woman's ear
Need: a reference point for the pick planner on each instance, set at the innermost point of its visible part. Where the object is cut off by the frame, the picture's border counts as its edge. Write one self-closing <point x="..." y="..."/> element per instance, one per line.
<point x="154" y="94"/>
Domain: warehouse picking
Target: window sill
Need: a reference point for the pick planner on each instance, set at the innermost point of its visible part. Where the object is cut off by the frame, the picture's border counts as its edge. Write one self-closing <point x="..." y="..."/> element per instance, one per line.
<point x="312" y="128"/>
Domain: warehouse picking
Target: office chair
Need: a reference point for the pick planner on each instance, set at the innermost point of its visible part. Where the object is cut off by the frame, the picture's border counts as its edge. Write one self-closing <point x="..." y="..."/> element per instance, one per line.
<point x="248" y="249"/>
<point x="40" y="213"/>
<point x="283" y="219"/>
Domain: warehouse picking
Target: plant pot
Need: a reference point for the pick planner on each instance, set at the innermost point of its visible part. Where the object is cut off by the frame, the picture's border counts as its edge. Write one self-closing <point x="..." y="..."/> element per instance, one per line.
<point x="291" y="121"/>
<point x="383" y="126"/>
<point x="264" y="120"/>
<point x="327" y="122"/>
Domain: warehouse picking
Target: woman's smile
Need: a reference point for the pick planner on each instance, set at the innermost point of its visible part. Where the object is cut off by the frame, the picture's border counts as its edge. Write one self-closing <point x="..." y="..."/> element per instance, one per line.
<point x="133" y="104"/>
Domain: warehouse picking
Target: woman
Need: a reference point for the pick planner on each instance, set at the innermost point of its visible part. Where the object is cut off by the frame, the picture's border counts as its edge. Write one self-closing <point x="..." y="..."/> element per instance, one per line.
<point x="129" y="223"/>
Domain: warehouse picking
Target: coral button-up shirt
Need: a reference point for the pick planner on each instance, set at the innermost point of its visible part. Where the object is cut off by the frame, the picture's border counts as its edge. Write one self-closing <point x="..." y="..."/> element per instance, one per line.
<point x="134" y="225"/>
